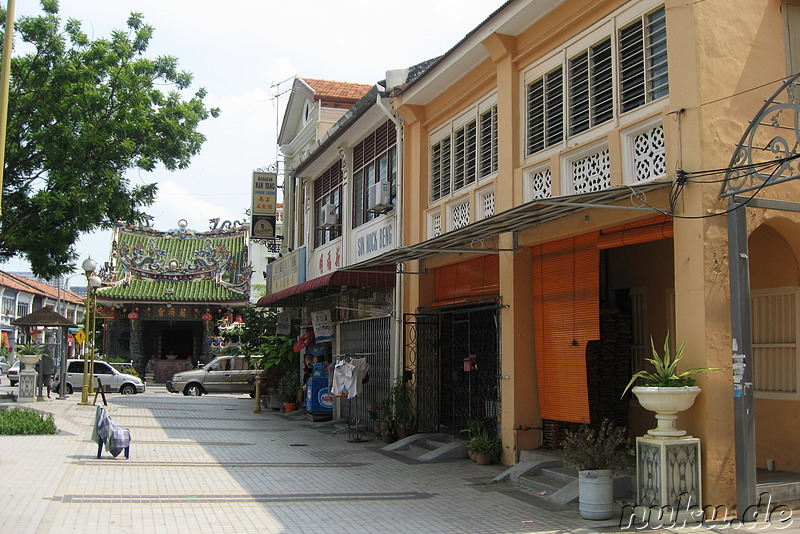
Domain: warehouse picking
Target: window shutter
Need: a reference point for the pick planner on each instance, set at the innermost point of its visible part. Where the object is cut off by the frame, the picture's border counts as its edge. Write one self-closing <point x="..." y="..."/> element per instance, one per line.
<point x="473" y="279"/>
<point x="650" y="229"/>
<point x="566" y="307"/>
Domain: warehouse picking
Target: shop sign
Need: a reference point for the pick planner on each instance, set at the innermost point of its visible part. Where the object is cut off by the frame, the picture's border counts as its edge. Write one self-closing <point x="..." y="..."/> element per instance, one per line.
<point x="328" y="259"/>
<point x="323" y="327"/>
<point x="265" y="186"/>
<point x="287" y="271"/>
<point x="372" y="240"/>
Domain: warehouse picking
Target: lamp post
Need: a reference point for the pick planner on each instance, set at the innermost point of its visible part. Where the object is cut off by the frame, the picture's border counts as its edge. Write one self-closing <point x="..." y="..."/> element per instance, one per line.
<point x="89" y="265"/>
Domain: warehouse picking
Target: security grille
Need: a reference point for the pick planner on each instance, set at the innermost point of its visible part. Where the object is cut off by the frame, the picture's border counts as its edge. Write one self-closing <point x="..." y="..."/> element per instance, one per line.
<point x="370" y="339"/>
<point x="450" y="392"/>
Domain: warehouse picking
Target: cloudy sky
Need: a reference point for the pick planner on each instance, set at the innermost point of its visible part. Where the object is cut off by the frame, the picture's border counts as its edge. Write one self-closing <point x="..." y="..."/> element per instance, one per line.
<point x="241" y="51"/>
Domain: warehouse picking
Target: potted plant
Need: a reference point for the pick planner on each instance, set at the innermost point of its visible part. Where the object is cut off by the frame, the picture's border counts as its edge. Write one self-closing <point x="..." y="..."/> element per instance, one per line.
<point x="287" y="387"/>
<point x="30" y="354"/>
<point x="666" y="391"/>
<point x="402" y="402"/>
<point x="277" y="359"/>
<point x="597" y="453"/>
<point x="484" y="448"/>
<point x="474" y="428"/>
<point x="377" y="414"/>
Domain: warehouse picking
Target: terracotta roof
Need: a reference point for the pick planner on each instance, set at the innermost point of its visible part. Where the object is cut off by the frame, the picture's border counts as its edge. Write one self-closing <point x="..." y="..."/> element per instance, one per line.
<point x="20" y="283"/>
<point x="337" y="90"/>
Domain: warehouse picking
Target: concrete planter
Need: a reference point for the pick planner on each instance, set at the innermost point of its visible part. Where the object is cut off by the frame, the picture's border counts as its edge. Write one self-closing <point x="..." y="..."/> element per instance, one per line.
<point x="666" y="402"/>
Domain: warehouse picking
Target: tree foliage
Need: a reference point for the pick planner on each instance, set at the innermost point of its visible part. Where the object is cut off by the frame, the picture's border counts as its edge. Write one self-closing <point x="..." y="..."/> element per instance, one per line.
<point x="82" y="112"/>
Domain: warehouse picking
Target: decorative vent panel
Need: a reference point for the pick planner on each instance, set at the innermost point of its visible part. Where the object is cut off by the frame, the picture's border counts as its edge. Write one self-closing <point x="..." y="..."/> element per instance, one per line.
<point x="648" y="154"/>
<point x="459" y="216"/>
<point x="591" y="173"/>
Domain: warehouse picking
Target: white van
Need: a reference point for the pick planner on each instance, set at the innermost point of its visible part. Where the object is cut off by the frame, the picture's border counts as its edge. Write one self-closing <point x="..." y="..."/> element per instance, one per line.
<point x="113" y="381"/>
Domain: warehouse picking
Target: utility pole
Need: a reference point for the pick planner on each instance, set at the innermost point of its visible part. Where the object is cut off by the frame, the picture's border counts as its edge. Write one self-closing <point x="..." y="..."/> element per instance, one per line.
<point x="5" y="77"/>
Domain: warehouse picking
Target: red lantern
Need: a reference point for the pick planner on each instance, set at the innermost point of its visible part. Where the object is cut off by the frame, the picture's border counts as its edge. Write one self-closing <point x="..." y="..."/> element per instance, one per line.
<point x="208" y="317"/>
<point x="133" y="316"/>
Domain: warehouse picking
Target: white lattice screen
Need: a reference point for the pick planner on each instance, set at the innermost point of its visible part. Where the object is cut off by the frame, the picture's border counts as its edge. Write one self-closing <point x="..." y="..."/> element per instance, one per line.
<point x="649" y="154"/>
<point x="591" y="173"/>
<point x="487" y="204"/>
<point x="459" y="216"/>
<point x="540" y="184"/>
<point x="436" y="225"/>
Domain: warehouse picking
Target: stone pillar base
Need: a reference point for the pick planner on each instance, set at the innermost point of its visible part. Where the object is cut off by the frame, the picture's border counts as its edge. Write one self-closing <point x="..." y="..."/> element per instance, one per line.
<point x="27" y="386"/>
<point x="668" y="473"/>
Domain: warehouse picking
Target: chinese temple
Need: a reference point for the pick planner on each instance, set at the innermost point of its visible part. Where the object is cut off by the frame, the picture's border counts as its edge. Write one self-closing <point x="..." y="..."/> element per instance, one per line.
<point x="167" y="296"/>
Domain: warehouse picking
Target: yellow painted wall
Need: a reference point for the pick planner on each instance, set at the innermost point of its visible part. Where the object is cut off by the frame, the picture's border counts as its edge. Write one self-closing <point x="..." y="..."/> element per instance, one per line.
<point x="725" y="58"/>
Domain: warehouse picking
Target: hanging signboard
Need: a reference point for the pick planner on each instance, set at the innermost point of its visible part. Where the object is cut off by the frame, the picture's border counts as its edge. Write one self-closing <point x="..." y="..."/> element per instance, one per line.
<point x="265" y="187"/>
<point x="323" y="327"/>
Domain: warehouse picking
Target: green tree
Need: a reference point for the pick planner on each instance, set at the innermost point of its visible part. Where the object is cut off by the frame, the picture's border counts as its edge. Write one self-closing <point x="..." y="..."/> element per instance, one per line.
<point x="82" y="112"/>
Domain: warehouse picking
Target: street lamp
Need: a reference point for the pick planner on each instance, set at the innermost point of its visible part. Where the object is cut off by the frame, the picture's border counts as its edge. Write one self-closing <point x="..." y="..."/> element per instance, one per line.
<point x="92" y="282"/>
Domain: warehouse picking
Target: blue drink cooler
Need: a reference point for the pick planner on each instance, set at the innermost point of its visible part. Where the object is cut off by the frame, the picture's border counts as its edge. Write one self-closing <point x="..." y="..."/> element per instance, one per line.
<point x="318" y="396"/>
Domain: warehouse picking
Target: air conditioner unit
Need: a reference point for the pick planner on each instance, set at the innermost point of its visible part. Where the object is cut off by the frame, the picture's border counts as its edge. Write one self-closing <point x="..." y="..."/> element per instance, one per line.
<point x="379" y="196"/>
<point x="329" y="216"/>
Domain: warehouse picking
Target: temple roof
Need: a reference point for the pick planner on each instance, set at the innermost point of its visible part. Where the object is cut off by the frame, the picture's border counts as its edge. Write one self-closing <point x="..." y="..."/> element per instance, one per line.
<point x="177" y="266"/>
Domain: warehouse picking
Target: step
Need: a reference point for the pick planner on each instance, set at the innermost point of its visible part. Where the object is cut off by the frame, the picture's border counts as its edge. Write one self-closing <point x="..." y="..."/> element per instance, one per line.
<point x="564" y="474"/>
<point x="541" y="483"/>
<point x="428" y="448"/>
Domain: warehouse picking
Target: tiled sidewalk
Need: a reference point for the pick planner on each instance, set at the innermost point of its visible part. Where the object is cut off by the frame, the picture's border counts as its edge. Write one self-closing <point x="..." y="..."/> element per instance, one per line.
<point x="210" y="464"/>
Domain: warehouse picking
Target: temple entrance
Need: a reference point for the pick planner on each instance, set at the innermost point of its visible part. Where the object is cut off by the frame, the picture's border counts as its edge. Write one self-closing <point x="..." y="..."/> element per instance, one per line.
<point x="178" y="341"/>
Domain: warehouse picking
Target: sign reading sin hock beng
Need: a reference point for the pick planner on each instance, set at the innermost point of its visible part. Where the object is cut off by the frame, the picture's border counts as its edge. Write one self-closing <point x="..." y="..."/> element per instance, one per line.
<point x="375" y="239"/>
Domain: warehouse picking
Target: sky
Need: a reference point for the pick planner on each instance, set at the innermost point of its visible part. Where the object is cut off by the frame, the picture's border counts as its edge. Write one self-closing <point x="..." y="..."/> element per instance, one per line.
<point x="245" y="53"/>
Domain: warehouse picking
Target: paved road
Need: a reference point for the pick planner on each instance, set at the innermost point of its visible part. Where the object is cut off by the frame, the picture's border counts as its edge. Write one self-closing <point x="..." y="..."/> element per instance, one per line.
<point x="211" y="465"/>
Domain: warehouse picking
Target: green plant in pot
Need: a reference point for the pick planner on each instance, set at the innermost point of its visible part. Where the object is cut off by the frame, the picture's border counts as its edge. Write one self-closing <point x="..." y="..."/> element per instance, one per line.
<point x="30" y="354"/>
<point x="484" y="447"/>
<point x="287" y="388"/>
<point x="277" y="359"/>
<point x="666" y="391"/>
<point x="597" y="452"/>
<point x="401" y="399"/>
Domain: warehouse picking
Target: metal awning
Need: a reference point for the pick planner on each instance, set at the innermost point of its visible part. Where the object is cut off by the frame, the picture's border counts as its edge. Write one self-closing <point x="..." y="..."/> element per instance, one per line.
<point x="472" y="238"/>
<point x="328" y="284"/>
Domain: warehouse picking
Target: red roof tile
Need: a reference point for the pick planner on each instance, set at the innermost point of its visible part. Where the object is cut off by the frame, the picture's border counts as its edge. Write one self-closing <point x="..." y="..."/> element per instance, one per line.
<point x="21" y="283"/>
<point x="338" y="90"/>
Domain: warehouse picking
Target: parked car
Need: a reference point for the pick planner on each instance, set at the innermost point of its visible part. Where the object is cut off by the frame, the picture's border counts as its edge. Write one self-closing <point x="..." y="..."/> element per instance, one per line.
<point x="113" y="381"/>
<point x="13" y="373"/>
<point x="4" y="365"/>
<point x="223" y="374"/>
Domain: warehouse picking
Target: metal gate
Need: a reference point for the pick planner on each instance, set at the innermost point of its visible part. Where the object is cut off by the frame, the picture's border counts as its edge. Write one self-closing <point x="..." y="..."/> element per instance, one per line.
<point x="370" y="339"/>
<point x="450" y="388"/>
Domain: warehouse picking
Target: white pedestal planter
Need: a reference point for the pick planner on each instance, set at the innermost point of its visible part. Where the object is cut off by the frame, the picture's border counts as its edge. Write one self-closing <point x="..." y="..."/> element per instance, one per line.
<point x="667" y="403"/>
<point x="596" y="494"/>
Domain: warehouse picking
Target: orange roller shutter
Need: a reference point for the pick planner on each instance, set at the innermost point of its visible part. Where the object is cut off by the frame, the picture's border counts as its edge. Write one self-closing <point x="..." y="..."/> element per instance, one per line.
<point x="650" y="229"/>
<point x="468" y="280"/>
<point x="566" y="307"/>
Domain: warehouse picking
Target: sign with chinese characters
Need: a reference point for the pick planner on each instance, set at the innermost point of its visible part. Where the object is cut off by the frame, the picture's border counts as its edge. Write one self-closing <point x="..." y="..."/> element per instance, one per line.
<point x="287" y="271"/>
<point x="327" y="259"/>
<point x="265" y="186"/>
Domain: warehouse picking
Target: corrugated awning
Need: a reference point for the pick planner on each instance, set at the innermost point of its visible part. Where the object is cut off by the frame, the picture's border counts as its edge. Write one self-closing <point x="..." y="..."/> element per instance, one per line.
<point x="328" y="284"/>
<point x="471" y="238"/>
